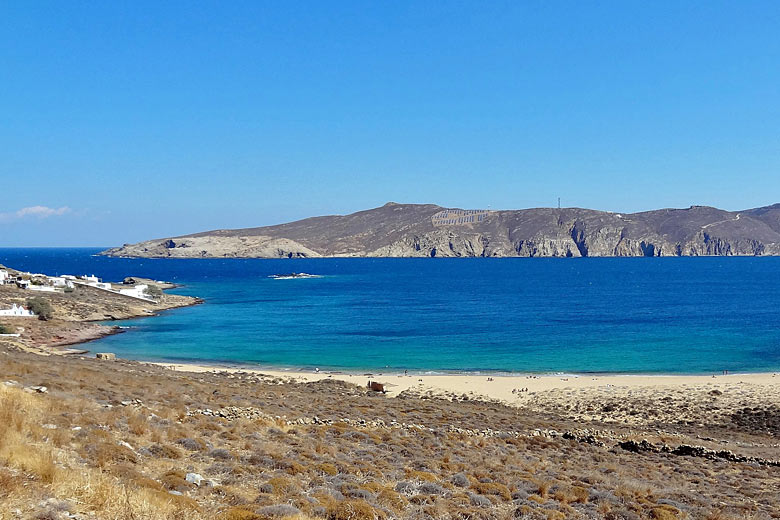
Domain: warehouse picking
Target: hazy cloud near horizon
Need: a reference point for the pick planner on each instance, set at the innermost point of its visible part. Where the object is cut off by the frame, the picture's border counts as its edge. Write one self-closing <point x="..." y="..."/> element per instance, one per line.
<point x="38" y="212"/>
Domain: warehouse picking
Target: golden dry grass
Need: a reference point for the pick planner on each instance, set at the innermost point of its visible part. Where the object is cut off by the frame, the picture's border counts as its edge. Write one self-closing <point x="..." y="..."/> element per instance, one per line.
<point x="23" y="448"/>
<point x="79" y="444"/>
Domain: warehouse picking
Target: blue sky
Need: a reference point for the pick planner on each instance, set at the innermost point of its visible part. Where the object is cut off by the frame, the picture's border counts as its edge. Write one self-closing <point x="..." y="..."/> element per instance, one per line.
<point x="123" y="121"/>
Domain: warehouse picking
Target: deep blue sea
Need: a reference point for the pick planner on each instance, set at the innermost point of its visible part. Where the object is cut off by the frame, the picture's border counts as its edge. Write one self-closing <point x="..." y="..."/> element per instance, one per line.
<point x="624" y="315"/>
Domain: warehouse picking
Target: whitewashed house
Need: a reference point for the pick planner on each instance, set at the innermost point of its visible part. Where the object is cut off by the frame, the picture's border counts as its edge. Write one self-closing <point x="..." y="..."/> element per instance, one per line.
<point x="60" y="281"/>
<point x="91" y="279"/>
<point x="17" y="311"/>
<point x="41" y="288"/>
<point x="4" y="276"/>
<point x="138" y="291"/>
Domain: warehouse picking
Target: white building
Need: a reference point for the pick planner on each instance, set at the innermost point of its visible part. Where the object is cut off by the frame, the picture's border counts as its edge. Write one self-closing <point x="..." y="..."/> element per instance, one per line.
<point x="41" y="288"/>
<point x="91" y="278"/>
<point x="4" y="276"/>
<point x="16" y="310"/>
<point x="60" y="281"/>
<point x="138" y="291"/>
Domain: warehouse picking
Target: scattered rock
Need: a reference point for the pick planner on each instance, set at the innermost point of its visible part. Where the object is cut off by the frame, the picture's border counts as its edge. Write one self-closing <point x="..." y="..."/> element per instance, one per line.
<point x="638" y="447"/>
<point x="686" y="450"/>
<point x="194" y="478"/>
<point x="106" y="356"/>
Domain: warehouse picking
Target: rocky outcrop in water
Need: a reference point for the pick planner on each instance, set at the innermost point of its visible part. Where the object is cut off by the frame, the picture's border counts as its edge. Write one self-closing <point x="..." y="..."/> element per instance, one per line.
<point x="426" y="230"/>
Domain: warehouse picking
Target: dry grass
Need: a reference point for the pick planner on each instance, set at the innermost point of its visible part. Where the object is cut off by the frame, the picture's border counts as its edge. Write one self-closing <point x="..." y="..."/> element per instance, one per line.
<point x="58" y="474"/>
<point x="80" y="445"/>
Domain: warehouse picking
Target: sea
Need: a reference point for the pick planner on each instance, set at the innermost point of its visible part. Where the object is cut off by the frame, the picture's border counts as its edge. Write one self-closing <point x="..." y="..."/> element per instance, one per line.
<point x="436" y="315"/>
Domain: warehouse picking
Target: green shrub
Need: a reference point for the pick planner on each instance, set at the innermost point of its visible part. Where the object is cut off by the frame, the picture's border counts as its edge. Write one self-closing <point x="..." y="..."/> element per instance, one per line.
<point x="153" y="291"/>
<point x="5" y="329"/>
<point x="41" y="307"/>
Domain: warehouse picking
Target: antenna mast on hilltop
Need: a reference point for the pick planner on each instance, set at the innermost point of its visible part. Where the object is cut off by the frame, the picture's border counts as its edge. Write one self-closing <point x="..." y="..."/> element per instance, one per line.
<point x="559" y="203"/>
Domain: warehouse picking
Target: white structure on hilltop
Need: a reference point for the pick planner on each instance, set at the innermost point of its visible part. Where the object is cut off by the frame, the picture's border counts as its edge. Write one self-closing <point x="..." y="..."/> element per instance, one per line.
<point x="4" y="276"/>
<point x="138" y="291"/>
<point x="60" y="281"/>
<point x="18" y="311"/>
<point x="91" y="278"/>
<point x="41" y="288"/>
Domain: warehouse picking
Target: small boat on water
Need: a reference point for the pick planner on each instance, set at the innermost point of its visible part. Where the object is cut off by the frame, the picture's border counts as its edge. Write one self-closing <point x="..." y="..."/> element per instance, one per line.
<point x="294" y="276"/>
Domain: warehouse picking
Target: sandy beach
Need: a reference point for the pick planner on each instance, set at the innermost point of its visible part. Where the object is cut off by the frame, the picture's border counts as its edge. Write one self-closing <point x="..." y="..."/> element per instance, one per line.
<point x="665" y="447"/>
<point x="509" y="389"/>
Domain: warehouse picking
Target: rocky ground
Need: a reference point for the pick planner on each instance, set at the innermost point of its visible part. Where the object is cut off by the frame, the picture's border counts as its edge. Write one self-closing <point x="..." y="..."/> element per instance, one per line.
<point x="418" y="230"/>
<point x="75" y="313"/>
<point x="120" y="439"/>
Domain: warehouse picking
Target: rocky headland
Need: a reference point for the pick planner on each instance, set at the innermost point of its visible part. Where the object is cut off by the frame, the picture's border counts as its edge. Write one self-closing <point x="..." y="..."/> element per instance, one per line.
<point x="75" y="313"/>
<point x="427" y="230"/>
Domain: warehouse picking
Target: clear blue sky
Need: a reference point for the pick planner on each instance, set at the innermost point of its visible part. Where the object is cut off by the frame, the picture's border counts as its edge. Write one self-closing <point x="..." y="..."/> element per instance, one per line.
<point x="123" y="121"/>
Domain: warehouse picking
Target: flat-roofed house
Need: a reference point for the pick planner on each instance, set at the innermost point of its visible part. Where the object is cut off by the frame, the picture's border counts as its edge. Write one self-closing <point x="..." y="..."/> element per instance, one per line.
<point x="17" y="311"/>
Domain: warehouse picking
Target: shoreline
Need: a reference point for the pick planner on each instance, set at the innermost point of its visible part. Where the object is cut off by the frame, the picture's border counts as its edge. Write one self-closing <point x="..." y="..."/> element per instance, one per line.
<point x="512" y="389"/>
<point x="87" y="315"/>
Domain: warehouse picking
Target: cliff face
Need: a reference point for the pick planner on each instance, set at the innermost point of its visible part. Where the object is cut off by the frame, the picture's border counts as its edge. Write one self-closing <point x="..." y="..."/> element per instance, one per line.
<point x="425" y="230"/>
<point x="216" y="247"/>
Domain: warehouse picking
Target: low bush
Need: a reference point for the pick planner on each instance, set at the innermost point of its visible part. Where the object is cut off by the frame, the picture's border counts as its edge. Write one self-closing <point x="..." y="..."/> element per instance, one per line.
<point x="282" y="485"/>
<point x="164" y="451"/>
<point x="492" y="488"/>
<point x="105" y="452"/>
<point x="665" y="512"/>
<point x="354" y="510"/>
<point x="192" y="444"/>
<point x="327" y="468"/>
<point x="40" y="307"/>
<point x="460" y="480"/>
<point x="221" y="454"/>
<point x="153" y="292"/>
<point x="421" y="475"/>
<point x="238" y="513"/>
<point x="175" y="480"/>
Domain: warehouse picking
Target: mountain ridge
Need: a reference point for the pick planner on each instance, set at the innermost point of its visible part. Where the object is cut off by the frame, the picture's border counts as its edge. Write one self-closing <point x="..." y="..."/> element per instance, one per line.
<point x="429" y="230"/>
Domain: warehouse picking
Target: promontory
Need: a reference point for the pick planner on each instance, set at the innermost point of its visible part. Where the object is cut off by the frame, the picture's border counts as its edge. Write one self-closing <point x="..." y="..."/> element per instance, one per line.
<point x="428" y="230"/>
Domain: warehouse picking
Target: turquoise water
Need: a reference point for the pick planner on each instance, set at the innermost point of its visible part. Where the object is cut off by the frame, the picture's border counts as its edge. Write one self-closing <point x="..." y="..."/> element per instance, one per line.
<point x="626" y="315"/>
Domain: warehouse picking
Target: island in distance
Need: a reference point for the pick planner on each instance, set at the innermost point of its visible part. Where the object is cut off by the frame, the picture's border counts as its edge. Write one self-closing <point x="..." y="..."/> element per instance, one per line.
<point x="427" y="230"/>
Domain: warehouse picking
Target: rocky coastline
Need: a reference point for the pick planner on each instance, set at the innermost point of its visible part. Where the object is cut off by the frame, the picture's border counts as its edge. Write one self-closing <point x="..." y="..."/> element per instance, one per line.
<point x="427" y="230"/>
<point x="76" y="314"/>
